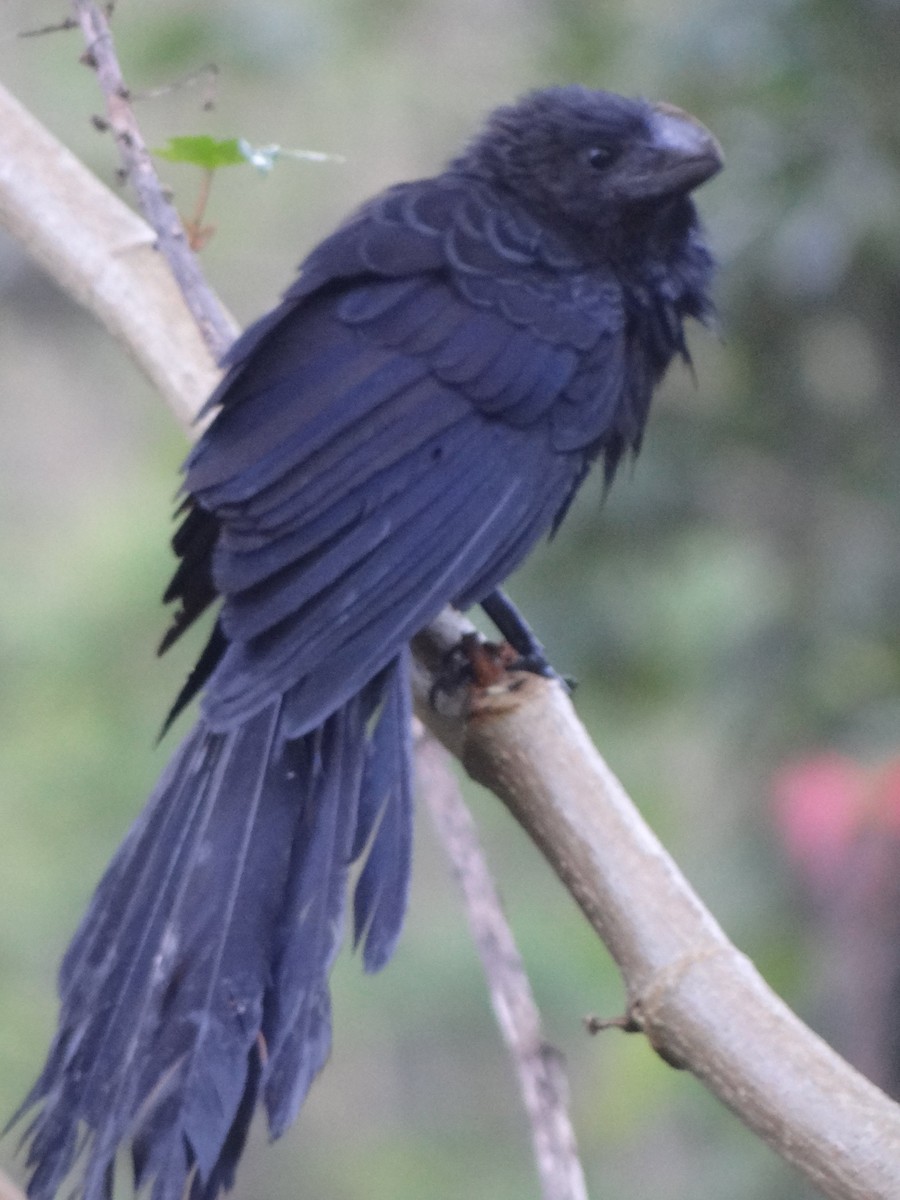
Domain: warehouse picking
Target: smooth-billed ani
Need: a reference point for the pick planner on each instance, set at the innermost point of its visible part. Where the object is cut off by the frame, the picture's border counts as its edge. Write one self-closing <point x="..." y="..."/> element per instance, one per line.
<point x="395" y="436"/>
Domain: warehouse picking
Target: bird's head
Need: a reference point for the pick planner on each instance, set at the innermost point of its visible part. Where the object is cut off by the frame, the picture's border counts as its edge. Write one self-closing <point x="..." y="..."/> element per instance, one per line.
<point x="589" y="157"/>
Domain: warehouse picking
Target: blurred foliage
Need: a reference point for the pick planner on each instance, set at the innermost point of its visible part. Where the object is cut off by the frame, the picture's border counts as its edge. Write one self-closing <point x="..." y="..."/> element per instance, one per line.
<point x="736" y="602"/>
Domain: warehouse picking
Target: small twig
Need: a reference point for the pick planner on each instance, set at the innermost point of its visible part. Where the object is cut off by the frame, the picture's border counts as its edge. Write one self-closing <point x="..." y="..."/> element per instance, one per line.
<point x="60" y="27"/>
<point x="627" y="1024"/>
<point x="539" y="1066"/>
<point x="207" y="75"/>
<point x="213" y="321"/>
<point x="198" y="233"/>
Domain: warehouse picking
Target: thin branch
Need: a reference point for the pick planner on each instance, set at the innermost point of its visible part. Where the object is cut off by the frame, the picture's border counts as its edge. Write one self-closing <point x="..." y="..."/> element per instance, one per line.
<point x="198" y="233"/>
<point x="207" y="76"/>
<point x="60" y="27"/>
<point x="541" y="1073"/>
<point x="215" y="324"/>
<point x="700" y="1002"/>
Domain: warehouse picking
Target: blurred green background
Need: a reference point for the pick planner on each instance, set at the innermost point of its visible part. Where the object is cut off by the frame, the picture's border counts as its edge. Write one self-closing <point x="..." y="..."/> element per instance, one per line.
<point x="735" y="603"/>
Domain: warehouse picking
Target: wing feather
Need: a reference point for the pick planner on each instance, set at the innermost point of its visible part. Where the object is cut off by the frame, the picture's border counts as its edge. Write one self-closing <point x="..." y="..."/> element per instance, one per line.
<point x="338" y="638"/>
<point x="415" y="418"/>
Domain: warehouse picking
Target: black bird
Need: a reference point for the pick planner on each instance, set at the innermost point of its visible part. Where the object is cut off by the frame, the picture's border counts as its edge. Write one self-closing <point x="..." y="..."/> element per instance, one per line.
<point x="395" y="436"/>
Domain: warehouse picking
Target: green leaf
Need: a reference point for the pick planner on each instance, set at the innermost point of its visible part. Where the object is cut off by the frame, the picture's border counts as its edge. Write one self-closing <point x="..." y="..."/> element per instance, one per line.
<point x="203" y="151"/>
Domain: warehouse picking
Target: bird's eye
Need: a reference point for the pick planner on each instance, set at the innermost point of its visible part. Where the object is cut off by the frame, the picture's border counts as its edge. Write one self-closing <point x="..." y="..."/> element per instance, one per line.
<point x="599" y="157"/>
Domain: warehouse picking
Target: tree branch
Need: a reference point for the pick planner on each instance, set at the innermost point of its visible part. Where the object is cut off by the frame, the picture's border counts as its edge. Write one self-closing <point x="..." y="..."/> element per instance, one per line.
<point x="103" y="255"/>
<point x="700" y="1002"/>
<point x="215" y="324"/>
<point x="8" y="1190"/>
<point x="542" y="1077"/>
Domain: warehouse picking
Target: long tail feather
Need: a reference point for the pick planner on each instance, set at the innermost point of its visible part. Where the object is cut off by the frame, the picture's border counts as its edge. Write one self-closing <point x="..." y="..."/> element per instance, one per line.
<point x="379" y="901"/>
<point x="197" y="983"/>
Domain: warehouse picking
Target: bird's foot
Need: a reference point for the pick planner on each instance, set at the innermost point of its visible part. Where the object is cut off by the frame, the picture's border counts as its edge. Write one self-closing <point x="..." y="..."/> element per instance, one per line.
<point x="474" y="662"/>
<point x="537" y="664"/>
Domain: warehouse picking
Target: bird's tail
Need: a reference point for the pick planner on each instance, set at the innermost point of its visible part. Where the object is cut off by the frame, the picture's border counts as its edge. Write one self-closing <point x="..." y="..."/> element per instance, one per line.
<point x="197" y="983"/>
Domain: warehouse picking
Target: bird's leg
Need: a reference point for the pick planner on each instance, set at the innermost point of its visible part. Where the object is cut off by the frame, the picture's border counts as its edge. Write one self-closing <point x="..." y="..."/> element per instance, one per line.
<point x="517" y="631"/>
<point x="513" y="626"/>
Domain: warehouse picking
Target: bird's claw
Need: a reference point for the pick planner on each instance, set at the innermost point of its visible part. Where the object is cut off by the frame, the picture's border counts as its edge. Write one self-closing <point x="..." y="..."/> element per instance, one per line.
<point x="476" y="663"/>
<point x="537" y="664"/>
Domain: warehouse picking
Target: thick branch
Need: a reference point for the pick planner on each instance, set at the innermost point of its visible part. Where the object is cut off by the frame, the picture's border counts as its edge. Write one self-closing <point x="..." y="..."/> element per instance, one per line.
<point x="699" y="1000"/>
<point x="701" y="1003"/>
<point x="104" y="256"/>
<point x="8" y="1190"/>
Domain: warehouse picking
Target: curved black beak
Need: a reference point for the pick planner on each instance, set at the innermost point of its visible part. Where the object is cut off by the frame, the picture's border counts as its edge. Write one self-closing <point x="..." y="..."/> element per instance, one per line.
<point x="678" y="156"/>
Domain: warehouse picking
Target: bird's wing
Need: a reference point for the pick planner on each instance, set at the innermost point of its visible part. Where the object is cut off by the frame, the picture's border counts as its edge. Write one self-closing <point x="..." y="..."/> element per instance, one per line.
<point x="497" y="304"/>
<point x="396" y="436"/>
